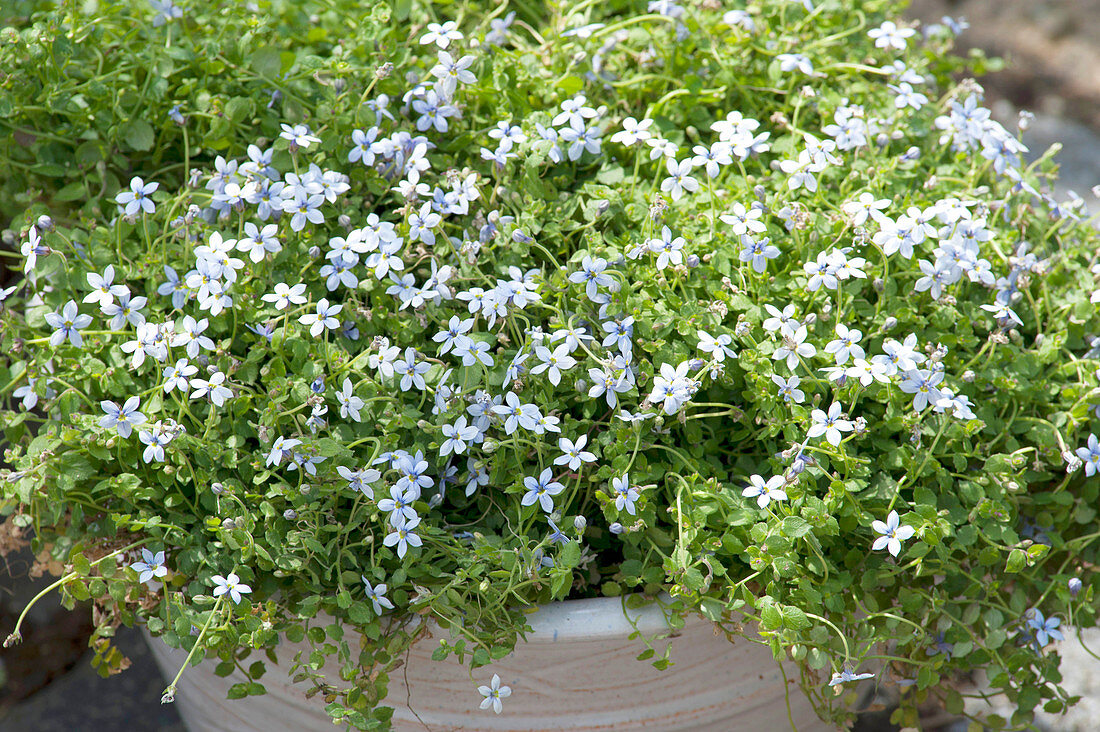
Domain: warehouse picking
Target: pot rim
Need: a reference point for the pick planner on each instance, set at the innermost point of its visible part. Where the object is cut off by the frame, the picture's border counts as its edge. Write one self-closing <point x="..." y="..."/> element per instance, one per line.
<point x="595" y="617"/>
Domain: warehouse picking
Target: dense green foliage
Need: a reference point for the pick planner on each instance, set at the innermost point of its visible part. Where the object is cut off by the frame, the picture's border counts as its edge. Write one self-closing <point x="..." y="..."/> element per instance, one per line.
<point x="931" y="237"/>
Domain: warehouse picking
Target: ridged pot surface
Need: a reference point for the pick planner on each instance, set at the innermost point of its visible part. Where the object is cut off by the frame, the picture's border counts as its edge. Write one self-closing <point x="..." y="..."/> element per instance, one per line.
<point x="577" y="671"/>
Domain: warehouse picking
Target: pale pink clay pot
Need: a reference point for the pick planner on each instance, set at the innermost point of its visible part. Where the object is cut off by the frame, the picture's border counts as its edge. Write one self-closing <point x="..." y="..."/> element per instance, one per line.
<point x="577" y="671"/>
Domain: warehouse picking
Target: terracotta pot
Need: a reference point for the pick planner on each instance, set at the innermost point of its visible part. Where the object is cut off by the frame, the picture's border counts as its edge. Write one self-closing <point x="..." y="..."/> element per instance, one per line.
<point x="577" y="671"/>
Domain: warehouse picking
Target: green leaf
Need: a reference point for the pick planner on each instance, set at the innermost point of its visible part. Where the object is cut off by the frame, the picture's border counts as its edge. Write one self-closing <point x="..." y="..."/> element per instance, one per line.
<point x="771" y="618"/>
<point x="359" y="613"/>
<point x="570" y="555"/>
<point x="267" y="62"/>
<point x="795" y="527"/>
<point x="138" y="135"/>
<point x="238" y="108"/>
<point x="794" y="618"/>
<point x="81" y="565"/>
<point x="72" y="192"/>
<point x="611" y="174"/>
<point x="1016" y="561"/>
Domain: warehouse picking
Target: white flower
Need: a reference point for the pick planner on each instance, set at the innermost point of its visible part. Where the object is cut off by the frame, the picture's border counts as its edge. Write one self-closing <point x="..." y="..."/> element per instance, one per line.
<point x="104" y="291"/>
<point x="866" y="206"/>
<point x="404" y="537"/>
<point x="214" y="388"/>
<point x="889" y="35"/>
<point x="152" y="565"/>
<point x="744" y="221"/>
<point x="67" y="325"/>
<point x="922" y="384"/>
<point x="349" y="403"/>
<point x="788" y="388"/>
<point x="669" y="250"/>
<point x="325" y="317"/>
<point x="867" y="371"/>
<point x="359" y="480"/>
<point x="892" y="534"/>
<point x="553" y="362"/>
<point x="138" y="197"/>
<point x="298" y="135"/>
<point x="441" y="34"/>
<point x="123" y="418"/>
<point x="633" y="132"/>
<point x="793" y="61"/>
<point x="846" y="344"/>
<point x="457" y="436"/>
<point x="1001" y="311"/>
<point x="377" y="595"/>
<point x="830" y="425"/>
<point x="573" y="452"/>
<point x="801" y="175"/>
<point x="765" y="492"/>
<point x="782" y="321"/>
<point x="794" y="346"/>
<point x="718" y="347"/>
<point x="493" y="694"/>
<point x="232" y="585"/>
<point x="679" y="179"/>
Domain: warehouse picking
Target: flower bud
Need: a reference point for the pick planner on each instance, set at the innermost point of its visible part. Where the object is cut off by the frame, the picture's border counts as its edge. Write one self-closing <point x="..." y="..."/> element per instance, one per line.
<point x="1074" y="585"/>
<point x="344" y="221"/>
<point x="217" y="489"/>
<point x="305" y="489"/>
<point x="290" y="514"/>
<point x="890" y="323"/>
<point x="45" y="223"/>
<point x="579" y="523"/>
<point x="616" y="528"/>
<point x="1073" y="463"/>
<point x="692" y="261"/>
<point x="314" y="252"/>
<point x="228" y="524"/>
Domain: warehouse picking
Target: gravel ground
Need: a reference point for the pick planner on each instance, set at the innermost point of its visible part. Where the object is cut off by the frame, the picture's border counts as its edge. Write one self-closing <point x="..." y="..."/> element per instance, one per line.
<point x="81" y="701"/>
